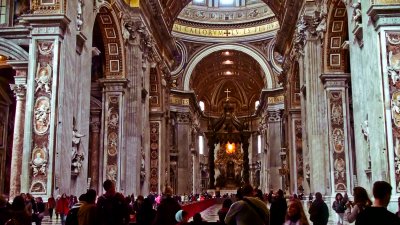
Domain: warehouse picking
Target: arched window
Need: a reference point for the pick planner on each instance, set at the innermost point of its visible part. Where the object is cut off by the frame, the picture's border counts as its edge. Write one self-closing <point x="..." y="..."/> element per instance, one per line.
<point x="201" y="144"/>
<point x="257" y="104"/>
<point x="259" y="143"/>
<point x="199" y="2"/>
<point x="202" y="106"/>
<point x="226" y="2"/>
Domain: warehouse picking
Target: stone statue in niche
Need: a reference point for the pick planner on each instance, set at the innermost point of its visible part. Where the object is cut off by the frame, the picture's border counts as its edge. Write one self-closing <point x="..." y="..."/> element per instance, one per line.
<point x="321" y="26"/>
<point x="365" y="129"/>
<point x="142" y="168"/>
<point x="39" y="161"/>
<point x="79" y="17"/>
<point x="76" y="156"/>
<point x="357" y="14"/>
<point x="43" y="78"/>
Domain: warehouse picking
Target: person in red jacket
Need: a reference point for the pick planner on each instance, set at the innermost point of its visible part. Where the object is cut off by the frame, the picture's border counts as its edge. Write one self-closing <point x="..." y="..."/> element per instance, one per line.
<point x="51" y="204"/>
<point x="62" y="207"/>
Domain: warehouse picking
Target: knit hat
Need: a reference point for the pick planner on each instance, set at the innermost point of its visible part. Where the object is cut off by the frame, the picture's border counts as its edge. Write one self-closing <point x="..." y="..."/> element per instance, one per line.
<point x="179" y="216"/>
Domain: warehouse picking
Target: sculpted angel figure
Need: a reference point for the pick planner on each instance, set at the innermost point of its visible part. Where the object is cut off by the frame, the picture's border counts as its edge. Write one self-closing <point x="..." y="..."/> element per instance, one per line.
<point x="43" y="78"/>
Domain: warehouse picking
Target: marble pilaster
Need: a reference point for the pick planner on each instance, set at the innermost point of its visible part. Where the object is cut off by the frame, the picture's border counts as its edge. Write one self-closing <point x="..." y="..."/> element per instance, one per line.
<point x="113" y="96"/>
<point x="17" y="149"/>
<point x="336" y="88"/>
<point x="275" y="145"/>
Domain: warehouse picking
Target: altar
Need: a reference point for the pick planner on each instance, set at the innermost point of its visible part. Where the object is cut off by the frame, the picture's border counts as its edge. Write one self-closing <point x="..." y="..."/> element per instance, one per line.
<point x="222" y="192"/>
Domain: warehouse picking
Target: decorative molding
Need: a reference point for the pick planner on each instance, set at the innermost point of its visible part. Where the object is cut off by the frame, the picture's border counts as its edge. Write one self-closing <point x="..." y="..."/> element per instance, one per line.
<point x="154" y="154"/>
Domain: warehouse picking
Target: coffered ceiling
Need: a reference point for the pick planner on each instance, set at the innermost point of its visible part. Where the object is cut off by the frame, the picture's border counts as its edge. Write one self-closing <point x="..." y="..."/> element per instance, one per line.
<point x="230" y="70"/>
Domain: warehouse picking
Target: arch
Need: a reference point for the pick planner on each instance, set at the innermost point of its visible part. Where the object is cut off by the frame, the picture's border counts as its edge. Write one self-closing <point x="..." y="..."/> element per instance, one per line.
<point x="335" y="57"/>
<point x="112" y="38"/>
<point x="10" y="49"/>
<point x="238" y="47"/>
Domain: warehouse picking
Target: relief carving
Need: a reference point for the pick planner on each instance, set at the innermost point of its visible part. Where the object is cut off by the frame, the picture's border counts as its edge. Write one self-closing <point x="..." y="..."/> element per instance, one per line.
<point x="42" y="115"/>
<point x="39" y="161"/>
<point x="395" y="103"/>
<point x="43" y="78"/>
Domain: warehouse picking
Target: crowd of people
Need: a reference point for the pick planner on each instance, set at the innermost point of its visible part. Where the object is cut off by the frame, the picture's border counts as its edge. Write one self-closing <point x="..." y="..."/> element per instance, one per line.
<point x="248" y="206"/>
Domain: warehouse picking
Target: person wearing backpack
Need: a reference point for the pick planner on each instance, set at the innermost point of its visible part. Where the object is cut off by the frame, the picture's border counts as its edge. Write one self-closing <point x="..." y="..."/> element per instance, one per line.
<point x="72" y="216"/>
<point x="112" y="207"/>
<point x="248" y="209"/>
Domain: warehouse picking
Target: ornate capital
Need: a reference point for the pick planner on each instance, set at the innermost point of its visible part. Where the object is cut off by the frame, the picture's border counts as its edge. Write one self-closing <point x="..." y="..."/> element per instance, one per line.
<point x="19" y="91"/>
<point x="183" y="117"/>
<point x="95" y="126"/>
<point x="274" y="116"/>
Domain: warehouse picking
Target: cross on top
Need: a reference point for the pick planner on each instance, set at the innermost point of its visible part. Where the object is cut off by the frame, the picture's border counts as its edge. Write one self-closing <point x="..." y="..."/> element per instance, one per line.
<point x="227" y="93"/>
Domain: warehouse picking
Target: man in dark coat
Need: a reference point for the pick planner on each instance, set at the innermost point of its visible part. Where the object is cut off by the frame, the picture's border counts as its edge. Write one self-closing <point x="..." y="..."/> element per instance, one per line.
<point x="278" y="209"/>
<point x="167" y="209"/>
<point x="319" y="212"/>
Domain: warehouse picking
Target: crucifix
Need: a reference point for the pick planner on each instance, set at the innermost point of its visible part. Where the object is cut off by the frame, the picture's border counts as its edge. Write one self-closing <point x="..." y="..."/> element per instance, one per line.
<point x="227" y="33"/>
<point x="227" y="93"/>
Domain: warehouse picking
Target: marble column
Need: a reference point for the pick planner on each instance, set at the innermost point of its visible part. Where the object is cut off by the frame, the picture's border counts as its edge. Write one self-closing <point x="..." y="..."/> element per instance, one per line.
<point x="183" y="129"/>
<point x="211" y="164"/>
<point x="17" y="148"/>
<point x="94" y="152"/>
<point x="316" y="117"/>
<point x="246" y="166"/>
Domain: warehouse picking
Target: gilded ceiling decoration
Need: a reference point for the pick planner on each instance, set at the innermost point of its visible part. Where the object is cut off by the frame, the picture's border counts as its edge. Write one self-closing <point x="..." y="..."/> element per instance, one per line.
<point x="231" y="73"/>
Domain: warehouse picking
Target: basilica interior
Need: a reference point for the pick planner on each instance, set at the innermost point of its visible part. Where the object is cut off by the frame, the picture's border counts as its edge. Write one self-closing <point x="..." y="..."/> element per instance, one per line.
<point x="202" y="95"/>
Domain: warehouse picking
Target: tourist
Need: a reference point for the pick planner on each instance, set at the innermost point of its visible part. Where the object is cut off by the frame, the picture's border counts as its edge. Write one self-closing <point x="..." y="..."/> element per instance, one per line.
<point x="5" y="210"/>
<point x="72" y="217"/>
<point x="339" y="206"/>
<point x="361" y="201"/>
<point x="197" y="220"/>
<point x="167" y="209"/>
<point x="62" y="207"/>
<point x="87" y="214"/>
<point x="249" y="210"/>
<point x="112" y="207"/>
<point x="19" y="215"/>
<point x="319" y="212"/>
<point x="51" y="204"/>
<point x="278" y="209"/>
<point x="378" y="214"/>
<point x="181" y="217"/>
<point x="40" y="208"/>
<point x="224" y="210"/>
<point x="146" y="214"/>
<point x="295" y="214"/>
<point x="398" y="205"/>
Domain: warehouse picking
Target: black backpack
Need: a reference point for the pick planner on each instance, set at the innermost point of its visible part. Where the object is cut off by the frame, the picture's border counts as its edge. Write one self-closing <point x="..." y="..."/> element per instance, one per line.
<point x="72" y="217"/>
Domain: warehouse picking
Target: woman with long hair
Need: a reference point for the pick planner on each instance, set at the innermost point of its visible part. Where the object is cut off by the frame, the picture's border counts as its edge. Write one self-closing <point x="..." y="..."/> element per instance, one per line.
<point x="339" y="205"/>
<point x="361" y="201"/>
<point x="295" y="213"/>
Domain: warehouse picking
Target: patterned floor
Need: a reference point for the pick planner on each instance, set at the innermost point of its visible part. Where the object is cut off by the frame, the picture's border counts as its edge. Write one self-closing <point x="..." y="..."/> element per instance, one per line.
<point x="209" y="215"/>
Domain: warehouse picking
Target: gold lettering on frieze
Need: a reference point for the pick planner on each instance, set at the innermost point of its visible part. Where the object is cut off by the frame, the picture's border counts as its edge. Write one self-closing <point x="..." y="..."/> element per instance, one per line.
<point x="175" y="100"/>
<point x="219" y="33"/>
<point x="185" y="101"/>
<point x="276" y="99"/>
<point x="387" y="1"/>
